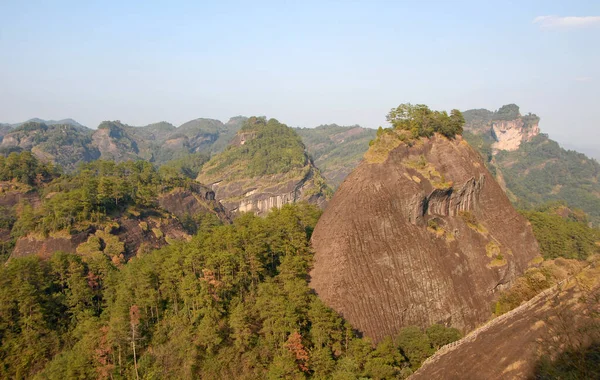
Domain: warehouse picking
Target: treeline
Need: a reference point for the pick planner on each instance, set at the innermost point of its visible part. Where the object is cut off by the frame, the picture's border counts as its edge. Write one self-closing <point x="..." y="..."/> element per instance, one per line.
<point x="24" y="167"/>
<point x="232" y="303"/>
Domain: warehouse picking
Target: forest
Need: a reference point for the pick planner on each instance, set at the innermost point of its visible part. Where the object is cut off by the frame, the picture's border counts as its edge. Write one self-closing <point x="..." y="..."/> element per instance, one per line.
<point x="233" y="302"/>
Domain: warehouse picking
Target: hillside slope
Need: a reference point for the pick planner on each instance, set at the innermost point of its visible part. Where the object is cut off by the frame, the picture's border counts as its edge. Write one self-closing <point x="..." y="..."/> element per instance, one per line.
<point x="265" y="166"/>
<point x="419" y="233"/>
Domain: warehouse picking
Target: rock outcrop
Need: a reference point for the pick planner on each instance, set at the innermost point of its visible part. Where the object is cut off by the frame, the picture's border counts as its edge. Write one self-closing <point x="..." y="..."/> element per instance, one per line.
<point x="509" y="134"/>
<point x="423" y="235"/>
<point x="508" y="347"/>
<point x="133" y="232"/>
<point x="198" y="199"/>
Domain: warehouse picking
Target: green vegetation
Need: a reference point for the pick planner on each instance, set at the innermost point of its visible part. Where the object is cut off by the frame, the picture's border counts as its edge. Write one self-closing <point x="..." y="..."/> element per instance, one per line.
<point x="409" y="123"/>
<point x="62" y="144"/>
<point x="189" y="165"/>
<point x="507" y="112"/>
<point x="92" y="195"/>
<point x="562" y="232"/>
<point x="270" y="148"/>
<point x="25" y="168"/>
<point x="423" y="122"/>
<point x="232" y="303"/>
<point x="541" y="171"/>
<point x="336" y="150"/>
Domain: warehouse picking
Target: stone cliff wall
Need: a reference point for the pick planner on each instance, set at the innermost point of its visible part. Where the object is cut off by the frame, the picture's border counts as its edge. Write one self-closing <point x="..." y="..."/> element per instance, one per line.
<point x="509" y="134"/>
<point x="396" y="248"/>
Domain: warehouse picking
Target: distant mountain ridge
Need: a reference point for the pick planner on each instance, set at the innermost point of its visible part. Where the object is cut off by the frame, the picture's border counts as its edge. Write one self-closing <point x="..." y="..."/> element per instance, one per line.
<point x="157" y="142"/>
<point x="67" y="121"/>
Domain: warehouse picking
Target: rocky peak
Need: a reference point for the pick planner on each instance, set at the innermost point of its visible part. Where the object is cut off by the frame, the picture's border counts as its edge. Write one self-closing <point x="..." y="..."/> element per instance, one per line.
<point x="419" y="235"/>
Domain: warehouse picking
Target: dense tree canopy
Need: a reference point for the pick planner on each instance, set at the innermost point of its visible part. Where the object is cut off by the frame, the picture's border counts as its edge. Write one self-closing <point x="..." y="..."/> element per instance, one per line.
<point x="423" y="122"/>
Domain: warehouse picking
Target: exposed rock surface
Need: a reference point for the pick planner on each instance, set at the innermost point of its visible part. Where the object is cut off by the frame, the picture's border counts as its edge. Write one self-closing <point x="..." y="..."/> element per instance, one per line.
<point x="532" y="168"/>
<point x="425" y="236"/>
<point x="509" y="346"/>
<point x="506" y="130"/>
<point x="509" y="134"/>
<point x="197" y="200"/>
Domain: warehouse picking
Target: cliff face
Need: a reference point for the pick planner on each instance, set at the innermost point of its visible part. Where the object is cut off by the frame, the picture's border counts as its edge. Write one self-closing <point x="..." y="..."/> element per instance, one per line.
<point x="532" y="168"/>
<point x="423" y="236"/>
<point x="509" y="134"/>
<point x="261" y="194"/>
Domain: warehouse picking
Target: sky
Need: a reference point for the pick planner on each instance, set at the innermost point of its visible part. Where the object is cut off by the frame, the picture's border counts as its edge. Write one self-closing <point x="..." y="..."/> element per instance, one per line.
<point x="305" y="63"/>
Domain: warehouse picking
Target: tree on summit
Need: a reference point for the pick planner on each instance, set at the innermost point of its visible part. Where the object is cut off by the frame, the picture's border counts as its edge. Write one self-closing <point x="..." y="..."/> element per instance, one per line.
<point x="424" y="122"/>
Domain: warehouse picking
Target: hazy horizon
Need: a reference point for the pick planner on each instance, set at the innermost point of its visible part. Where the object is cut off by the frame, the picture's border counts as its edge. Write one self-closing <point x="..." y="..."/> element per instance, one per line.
<point x="304" y="64"/>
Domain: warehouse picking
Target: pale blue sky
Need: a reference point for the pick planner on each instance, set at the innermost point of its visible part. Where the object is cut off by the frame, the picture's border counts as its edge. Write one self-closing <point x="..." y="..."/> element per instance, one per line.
<point x="305" y="63"/>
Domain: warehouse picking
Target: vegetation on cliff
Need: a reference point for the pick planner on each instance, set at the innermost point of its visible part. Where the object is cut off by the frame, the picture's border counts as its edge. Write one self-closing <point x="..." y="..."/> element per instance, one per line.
<point x="232" y="303"/>
<point x="409" y="124"/>
<point x="423" y="122"/>
<point x="38" y="200"/>
<point x="265" y="166"/>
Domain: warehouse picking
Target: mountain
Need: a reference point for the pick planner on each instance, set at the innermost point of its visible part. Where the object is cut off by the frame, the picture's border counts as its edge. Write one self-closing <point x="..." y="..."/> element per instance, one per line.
<point x="265" y="166"/>
<point x="419" y="233"/>
<point x="337" y="150"/>
<point x="531" y="167"/>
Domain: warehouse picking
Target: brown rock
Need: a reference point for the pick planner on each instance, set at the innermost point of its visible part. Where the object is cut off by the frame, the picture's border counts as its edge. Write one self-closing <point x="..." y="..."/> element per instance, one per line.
<point x="414" y="240"/>
<point x="509" y="346"/>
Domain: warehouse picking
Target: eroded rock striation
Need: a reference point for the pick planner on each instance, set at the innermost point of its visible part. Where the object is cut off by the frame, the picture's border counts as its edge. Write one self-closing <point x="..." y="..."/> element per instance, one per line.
<point x="422" y="236"/>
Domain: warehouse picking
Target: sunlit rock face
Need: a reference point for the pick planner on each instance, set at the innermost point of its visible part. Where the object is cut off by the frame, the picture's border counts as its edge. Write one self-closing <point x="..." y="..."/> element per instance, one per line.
<point x="509" y="134"/>
<point x="415" y="244"/>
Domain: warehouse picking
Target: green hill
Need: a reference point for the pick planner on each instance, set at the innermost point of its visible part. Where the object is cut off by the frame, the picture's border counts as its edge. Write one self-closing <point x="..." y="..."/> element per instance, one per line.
<point x="265" y="166"/>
